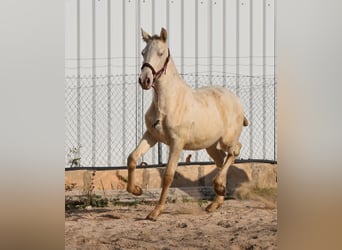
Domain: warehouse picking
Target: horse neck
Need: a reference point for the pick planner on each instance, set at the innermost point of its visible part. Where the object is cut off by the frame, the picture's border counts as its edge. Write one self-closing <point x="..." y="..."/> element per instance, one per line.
<point x="168" y="86"/>
<point x="170" y="80"/>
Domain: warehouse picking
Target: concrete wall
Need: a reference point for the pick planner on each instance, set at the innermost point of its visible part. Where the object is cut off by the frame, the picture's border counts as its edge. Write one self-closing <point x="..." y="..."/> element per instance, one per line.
<point x="191" y="180"/>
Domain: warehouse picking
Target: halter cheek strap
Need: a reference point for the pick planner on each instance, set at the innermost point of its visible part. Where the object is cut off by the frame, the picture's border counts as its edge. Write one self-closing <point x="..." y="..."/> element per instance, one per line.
<point x="157" y="74"/>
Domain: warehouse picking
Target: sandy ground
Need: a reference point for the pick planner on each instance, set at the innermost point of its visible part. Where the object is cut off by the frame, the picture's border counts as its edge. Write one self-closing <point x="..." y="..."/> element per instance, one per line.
<point x="238" y="224"/>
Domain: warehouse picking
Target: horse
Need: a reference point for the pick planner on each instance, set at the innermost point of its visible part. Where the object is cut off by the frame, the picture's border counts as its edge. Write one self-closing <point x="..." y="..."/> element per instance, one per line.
<point x="183" y="118"/>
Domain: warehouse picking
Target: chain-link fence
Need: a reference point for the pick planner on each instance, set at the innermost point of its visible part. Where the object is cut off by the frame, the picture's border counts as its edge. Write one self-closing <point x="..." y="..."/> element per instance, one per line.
<point x="105" y="118"/>
<point x="220" y="42"/>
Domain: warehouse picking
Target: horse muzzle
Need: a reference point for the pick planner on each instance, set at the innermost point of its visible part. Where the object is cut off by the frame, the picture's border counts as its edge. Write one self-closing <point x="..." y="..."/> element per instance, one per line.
<point x="145" y="83"/>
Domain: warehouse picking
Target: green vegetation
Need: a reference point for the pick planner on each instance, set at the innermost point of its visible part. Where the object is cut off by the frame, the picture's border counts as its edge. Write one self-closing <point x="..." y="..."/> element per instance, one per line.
<point x="85" y="201"/>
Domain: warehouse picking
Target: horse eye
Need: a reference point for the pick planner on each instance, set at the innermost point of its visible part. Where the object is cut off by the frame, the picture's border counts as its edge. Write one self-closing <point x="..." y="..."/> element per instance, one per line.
<point x="160" y="53"/>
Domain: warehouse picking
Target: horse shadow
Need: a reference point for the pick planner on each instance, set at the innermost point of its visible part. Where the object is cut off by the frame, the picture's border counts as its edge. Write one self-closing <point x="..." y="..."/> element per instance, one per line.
<point x="204" y="183"/>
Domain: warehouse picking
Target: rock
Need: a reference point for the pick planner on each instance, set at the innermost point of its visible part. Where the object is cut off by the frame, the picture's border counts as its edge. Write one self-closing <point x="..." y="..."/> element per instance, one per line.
<point x="182" y="225"/>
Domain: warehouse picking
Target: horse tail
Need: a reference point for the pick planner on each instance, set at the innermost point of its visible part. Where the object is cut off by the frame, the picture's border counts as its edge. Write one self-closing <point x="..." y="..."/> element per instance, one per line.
<point x="245" y="121"/>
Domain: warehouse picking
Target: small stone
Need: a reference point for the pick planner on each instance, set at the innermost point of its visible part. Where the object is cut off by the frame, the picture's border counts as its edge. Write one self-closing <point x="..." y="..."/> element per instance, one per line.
<point x="182" y="225"/>
<point x="225" y="224"/>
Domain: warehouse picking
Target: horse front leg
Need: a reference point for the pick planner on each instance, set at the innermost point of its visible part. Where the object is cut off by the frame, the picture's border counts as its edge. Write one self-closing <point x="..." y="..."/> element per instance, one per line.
<point x="174" y="155"/>
<point x="146" y="142"/>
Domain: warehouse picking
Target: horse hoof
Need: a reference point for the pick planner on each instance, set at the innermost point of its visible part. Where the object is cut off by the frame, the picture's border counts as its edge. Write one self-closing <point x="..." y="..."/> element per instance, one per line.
<point x="212" y="207"/>
<point x="151" y="218"/>
<point x="154" y="215"/>
<point x="136" y="190"/>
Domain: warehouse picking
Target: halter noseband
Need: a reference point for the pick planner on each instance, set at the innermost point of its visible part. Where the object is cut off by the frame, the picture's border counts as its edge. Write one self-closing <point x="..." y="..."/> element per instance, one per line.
<point x="157" y="74"/>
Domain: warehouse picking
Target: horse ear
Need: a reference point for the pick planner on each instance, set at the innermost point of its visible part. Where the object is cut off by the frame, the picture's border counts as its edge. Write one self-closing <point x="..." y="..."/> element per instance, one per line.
<point x="145" y="35"/>
<point x="163" y="34"/>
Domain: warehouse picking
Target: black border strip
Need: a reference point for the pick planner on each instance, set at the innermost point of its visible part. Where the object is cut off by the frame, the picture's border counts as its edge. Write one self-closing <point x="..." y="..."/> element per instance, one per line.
<point x="164" y="164"/>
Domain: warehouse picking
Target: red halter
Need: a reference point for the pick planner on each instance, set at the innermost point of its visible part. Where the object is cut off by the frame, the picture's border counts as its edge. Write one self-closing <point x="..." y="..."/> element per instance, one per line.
<point x="157" y="74"/>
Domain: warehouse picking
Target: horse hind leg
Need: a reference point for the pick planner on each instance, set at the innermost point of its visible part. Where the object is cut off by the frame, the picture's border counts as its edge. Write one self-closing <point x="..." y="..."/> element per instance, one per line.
<point x="236" y="149"/>
<point x="218" y="156"/>
<point x="220" y="179"/>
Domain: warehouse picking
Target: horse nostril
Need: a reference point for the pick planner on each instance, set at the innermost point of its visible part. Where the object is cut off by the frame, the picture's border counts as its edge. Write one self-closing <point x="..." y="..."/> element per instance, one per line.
<point x="148" y="80"/>
<point x="139" y="80"/>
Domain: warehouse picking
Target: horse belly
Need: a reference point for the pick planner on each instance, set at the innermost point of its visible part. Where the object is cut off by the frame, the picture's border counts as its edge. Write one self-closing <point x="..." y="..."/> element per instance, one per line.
<point x="202" y="134"/>
<point x="200" y="145"/>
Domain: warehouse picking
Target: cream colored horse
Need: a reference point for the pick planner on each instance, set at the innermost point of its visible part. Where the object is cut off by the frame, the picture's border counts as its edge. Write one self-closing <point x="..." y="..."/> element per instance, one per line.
<point x="208" y="118"/>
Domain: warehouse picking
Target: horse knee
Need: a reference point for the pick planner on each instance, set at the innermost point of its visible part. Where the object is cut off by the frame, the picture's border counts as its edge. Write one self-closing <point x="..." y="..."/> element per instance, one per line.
<point x="132" y="161"/>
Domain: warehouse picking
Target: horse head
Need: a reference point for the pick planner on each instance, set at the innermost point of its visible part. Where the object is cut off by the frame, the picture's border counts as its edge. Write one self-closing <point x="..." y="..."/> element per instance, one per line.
<point x="156" y="57"/>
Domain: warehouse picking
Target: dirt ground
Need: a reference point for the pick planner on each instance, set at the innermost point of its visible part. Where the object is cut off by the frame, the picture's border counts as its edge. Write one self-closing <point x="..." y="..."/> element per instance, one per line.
<point x="238" y="224"/>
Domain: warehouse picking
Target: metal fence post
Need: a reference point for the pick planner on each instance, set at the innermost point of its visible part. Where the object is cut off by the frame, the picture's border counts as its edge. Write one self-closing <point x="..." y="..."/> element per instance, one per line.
<point x="251" y="129"/>
<point x="224" y="52"/>
<point x="124" y="143"/>
<point x="237" y="47"/>
<point x="274" y="83"/>
<point x="93" y="149"/>
<point x="264" y="81"/>
<point x="78" y="73"/>
<point x="160" y="154"/>
<point x="210" y="42"/>
<point x="109" y="86"/>
<point x="153" y="31"/>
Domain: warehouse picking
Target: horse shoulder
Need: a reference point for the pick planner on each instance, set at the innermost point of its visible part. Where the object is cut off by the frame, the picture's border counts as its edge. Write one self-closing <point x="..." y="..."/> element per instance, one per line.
<point x="150" y="116"/>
